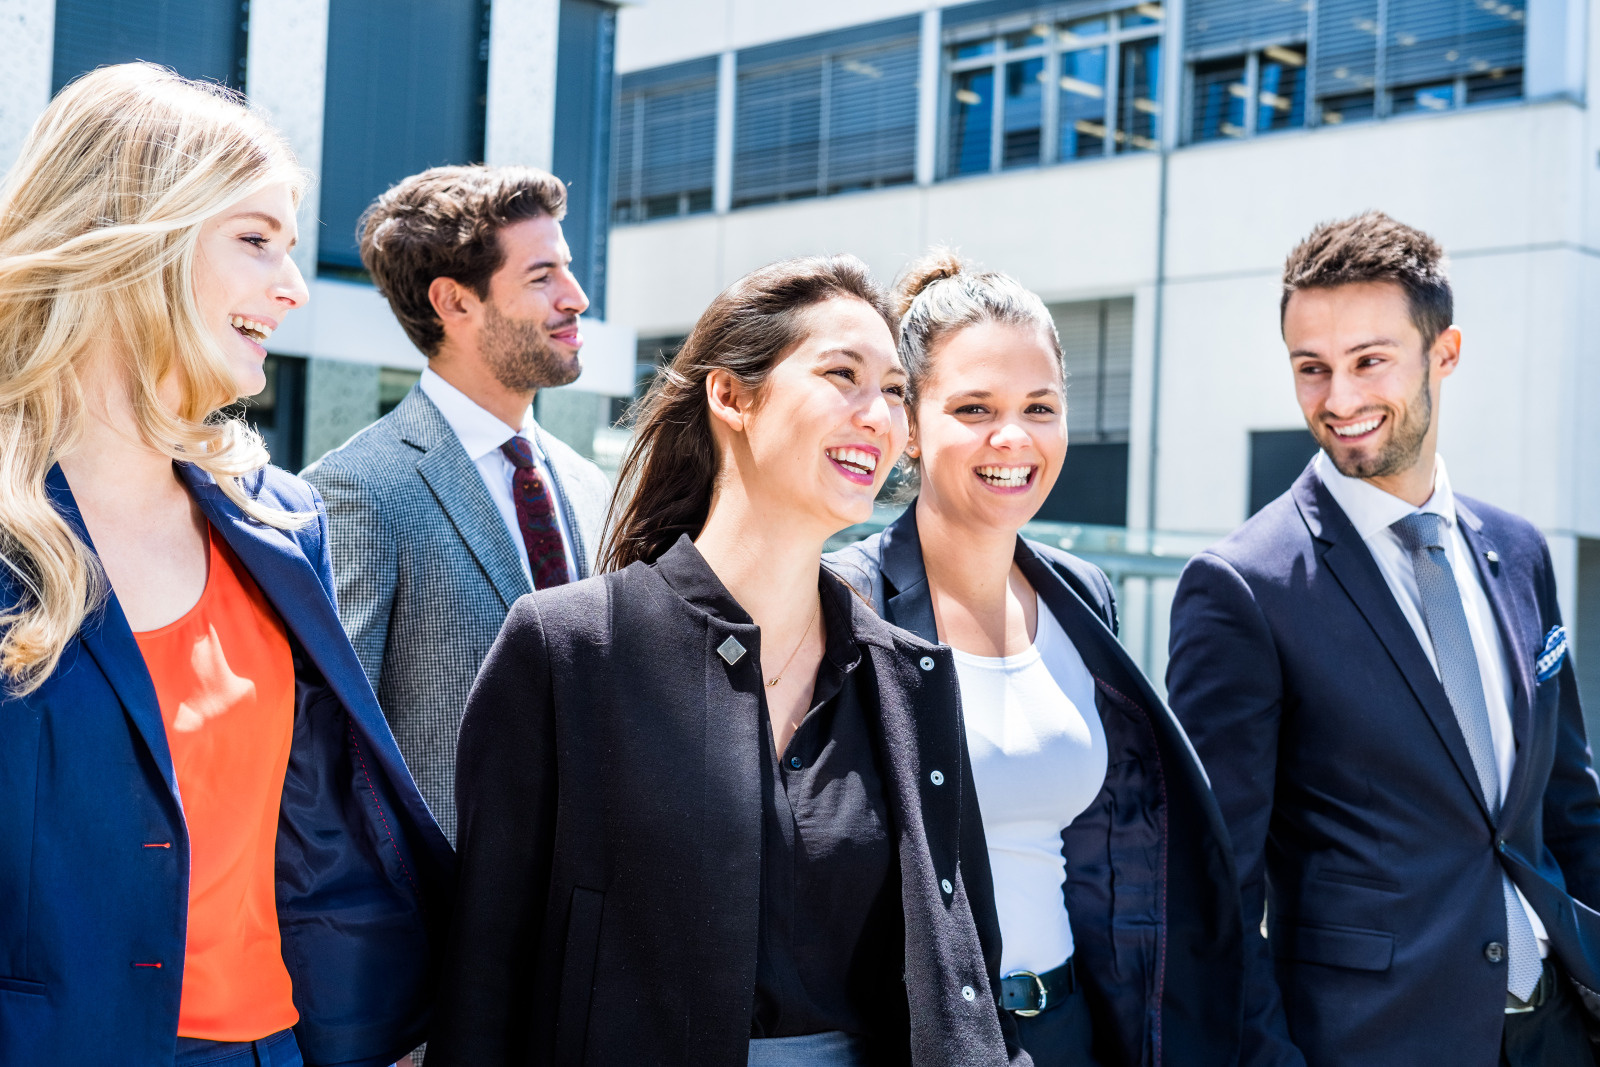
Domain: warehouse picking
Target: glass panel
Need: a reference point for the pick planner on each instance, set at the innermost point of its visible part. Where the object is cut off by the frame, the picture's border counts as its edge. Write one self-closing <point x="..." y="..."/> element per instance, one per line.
<point x="1024" y="113"/>
<point x="1139" y="96"/>
<point x="970" y="49"/>
<point x="1340" y="109"/>
<point x="1220" y="94"/>
<point x="1281" y="100"/>
<point x="971" y="120"/>
<point x="1440" y="97"/>
<point x="1073" y="34"/>
<point x="1495" y="85"/>
<point x="1082" y="104"/>
<point x="1028" y="38"/>
<point x="1143" y="15"/>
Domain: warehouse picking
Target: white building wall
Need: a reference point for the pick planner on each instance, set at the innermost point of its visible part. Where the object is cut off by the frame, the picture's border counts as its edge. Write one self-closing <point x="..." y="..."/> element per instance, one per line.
<point x="28" y="29"/>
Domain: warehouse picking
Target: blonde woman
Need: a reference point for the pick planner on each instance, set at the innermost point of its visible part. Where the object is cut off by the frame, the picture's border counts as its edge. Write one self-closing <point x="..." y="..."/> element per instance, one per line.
<point x="210" y="850"/>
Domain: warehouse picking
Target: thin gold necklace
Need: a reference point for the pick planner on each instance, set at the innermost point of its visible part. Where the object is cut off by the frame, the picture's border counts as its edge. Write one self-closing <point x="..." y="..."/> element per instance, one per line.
<point x="776" y="678"/>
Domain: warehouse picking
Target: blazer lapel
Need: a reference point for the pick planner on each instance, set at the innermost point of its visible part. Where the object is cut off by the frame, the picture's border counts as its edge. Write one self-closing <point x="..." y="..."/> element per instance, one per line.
<point x="109" y="639"/>
<point x="1519" y="658"/>
<point x="457" y="485"/>
<point x="907" y="601"/>
<point x="1353" y="566"/>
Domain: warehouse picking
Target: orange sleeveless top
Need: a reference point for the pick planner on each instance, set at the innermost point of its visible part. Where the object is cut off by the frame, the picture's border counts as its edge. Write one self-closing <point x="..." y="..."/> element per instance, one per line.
<point x="224" y="677"/>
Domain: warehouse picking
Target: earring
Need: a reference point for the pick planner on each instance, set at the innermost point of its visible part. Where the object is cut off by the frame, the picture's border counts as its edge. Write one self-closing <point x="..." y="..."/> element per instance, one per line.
<point x="911" y="450"/>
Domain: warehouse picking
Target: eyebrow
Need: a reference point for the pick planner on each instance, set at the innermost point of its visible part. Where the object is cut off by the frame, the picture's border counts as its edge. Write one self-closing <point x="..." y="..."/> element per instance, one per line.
<point x="546" y="264"/>
<point x="271" y="221"/>
<point x="1376" y="342"/>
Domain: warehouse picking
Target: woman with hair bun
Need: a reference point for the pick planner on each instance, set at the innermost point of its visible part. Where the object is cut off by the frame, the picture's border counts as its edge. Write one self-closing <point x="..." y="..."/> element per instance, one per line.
<point x="713" y="810"/>
<point x="1117" y="899"/>
<point x="210" y="850"/>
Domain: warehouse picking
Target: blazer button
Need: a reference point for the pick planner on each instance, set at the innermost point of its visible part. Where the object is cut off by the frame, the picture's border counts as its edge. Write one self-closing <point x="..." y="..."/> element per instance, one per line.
<point x="944" y="883"/>
<point x="926" y="663"/>
<point x="1494" y="952"/>
<point x="937" y="778"/>
<point x="968" y="993"/>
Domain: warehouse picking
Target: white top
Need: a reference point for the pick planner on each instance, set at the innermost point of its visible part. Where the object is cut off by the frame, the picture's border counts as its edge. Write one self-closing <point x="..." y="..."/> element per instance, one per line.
<point x="482" y="433"/>
<point x="1372" y="511"/>
<point x="1038" y="753"/>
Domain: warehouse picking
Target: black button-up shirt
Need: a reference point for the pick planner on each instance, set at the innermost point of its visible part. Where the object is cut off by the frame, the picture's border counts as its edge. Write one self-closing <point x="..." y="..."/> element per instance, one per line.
<point x="831" y="943"/>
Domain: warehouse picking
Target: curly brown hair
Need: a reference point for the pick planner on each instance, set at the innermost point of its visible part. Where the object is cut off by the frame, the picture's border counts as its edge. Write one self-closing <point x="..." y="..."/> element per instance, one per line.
<point x="445" y="223"/>
<point x="1372" y="247"/>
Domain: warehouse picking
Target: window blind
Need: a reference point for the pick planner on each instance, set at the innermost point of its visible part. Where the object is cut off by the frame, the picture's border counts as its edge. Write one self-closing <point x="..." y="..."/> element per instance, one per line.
<point x="825" y="115"/>
<point x="197" y="38"/>
<point x="1219" y="26"/>
<point x="1097" y="346"/>
<point x="405" y="91"/>
<point x="666" y="142"/>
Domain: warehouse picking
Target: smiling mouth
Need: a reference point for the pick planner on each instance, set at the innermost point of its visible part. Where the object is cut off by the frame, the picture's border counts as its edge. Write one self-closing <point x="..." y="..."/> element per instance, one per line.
<point x="1358" y="429"/>
<point x="854" y="461"/>
<point x="1006" y="477"/>
<point x="253" y="329"/>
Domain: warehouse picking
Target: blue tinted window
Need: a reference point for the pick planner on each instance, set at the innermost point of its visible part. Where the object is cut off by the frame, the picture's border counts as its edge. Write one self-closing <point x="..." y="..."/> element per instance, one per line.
<point x="197" y="38"/>
<point x="971" y="121"/>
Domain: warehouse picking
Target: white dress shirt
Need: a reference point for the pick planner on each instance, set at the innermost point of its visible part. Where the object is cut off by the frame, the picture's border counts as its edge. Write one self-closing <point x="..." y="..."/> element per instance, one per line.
<point x="481" y="434"/>
<point x="1038" y="752"/>
<point x="1372" y="511"/>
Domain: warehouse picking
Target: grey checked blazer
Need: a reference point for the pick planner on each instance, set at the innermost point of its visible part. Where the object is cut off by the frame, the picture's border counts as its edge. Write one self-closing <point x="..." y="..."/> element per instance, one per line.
<point x="426" y="571"/>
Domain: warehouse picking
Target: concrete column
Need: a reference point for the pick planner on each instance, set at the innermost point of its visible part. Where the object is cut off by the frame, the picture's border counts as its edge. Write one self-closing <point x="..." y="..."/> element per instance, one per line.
<point x="1172" y="74"/>
<point x="1556" y="40"/>
<point x="928" y="93"/>
<point x="521" y="113"/>
<point x="722" y="175"/>
<point x="286" y="76"/>
<point x="28" y="29"/>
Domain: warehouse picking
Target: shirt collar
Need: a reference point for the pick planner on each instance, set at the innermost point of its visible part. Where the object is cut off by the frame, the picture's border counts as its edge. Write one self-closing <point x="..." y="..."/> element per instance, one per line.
<point x="479" y="430"/>
<point x="1371" y="510"/>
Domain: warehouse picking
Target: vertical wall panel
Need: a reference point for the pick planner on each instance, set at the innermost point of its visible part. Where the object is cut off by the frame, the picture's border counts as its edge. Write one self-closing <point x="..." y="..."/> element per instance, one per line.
<point x="197" y="38"/>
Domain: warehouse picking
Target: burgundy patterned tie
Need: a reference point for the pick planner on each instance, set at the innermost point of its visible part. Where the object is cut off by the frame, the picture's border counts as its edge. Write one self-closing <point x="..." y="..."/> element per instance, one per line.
<point x="536" y="516"/>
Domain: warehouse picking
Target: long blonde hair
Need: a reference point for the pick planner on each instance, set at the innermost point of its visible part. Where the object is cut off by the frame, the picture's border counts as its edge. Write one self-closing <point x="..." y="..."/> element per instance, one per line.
<point x="100" y="219"/>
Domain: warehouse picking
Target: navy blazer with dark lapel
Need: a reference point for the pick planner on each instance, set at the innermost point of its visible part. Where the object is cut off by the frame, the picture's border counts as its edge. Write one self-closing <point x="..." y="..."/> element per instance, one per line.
<point x="1352" y="799"/>
<point x="1150" y="887"/>
<point x="94" y="854"/>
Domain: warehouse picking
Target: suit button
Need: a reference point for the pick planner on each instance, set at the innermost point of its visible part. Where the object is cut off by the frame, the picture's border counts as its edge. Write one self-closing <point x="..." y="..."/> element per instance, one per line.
<point x="937" y="778"/>
<point x="968" y="993"/>
<point x="1494" y="952"/>
<point x="1500" y="847"/>
<point x="944" y="883"/>
<point x="926" y="663"/>
<point x="796" y="762"/>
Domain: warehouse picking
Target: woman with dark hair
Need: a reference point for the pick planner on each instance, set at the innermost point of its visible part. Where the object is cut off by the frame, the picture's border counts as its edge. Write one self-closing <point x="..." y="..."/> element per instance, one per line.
<point x="1113" y="877"/>
<point x="713" y="810"/>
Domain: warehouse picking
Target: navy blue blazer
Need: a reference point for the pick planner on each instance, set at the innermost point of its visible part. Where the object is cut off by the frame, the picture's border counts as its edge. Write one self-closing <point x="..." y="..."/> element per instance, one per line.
<point x="1150" y="887"/>
<point x="94" y="856"/>
<point x="1352" y="799"/>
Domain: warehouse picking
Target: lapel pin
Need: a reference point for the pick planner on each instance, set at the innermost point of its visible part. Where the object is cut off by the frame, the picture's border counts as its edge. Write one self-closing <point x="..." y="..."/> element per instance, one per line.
<point x="1492" y="556"/>
<point x="731" y="650"/>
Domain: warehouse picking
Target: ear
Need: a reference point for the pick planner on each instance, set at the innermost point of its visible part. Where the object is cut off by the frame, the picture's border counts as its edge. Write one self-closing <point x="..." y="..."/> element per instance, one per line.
<point x="729" y="401"/>
<point x="453" y="302"/>
<point x="1447" y="351"/>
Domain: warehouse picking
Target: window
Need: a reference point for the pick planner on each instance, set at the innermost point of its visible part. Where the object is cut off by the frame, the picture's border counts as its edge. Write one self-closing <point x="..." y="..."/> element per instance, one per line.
<point x="197" y="38"/>
<point x="1052" y="89"/>
<point x="1257" y="66"/>
<point x="1097" y="345"/>
<point x="585" y="78"/>
<point x="278" y="412"/>
<point x="666" y="142"/>
<point x="651" y="354"/>
<point x="405" y="91"/>
<point x="1276" y="459"/>
<point x="393" y="385"/>
<point x="826" y="115"/>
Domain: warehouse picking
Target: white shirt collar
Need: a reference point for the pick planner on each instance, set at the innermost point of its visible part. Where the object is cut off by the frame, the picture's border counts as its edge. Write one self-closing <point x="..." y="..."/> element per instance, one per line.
<point x="1371" y="510"/>
<point x="479" y="430"/>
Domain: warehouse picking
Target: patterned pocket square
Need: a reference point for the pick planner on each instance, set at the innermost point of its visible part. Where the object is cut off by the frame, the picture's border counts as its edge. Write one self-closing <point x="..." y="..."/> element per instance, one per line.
<point x="1555" y="650"/>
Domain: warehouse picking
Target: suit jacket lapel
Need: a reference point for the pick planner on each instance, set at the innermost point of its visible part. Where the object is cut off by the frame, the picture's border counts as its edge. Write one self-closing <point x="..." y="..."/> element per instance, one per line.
<point x="907" y="601"/>
<point x="109" y="639"/>
<point x="1352" y="565"/>
<point x="457" y="485"/>
<point x="1519" y="658"/>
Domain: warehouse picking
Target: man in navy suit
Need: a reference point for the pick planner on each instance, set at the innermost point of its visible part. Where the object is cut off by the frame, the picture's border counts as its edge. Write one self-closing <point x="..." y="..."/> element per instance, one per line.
<point x="1374" y="672"/>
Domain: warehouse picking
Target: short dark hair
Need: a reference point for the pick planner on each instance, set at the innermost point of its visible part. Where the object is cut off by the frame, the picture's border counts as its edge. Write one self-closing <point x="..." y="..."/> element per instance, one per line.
<point x="445" y="223"/>
<point x="1372" y="247"/>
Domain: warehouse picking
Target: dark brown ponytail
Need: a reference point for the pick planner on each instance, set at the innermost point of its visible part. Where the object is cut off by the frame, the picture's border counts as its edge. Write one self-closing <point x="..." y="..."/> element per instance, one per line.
<point x="665" y="481"/>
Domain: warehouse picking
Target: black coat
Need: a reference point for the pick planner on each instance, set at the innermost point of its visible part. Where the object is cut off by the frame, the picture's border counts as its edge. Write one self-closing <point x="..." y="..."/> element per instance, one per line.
<point x="1151" y="888"/>
<point x="609" y="787"/>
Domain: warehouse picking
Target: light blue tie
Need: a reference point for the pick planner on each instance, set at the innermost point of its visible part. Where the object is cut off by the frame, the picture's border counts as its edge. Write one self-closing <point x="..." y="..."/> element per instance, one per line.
<point x="1423" y="535"/>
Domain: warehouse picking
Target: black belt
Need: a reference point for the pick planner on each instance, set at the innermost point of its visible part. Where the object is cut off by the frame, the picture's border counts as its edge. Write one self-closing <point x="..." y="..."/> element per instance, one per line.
<point x="1027" y="994"/>
<point x="1541" y="992"/>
